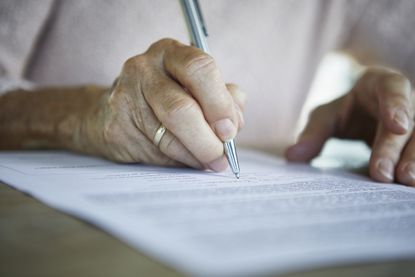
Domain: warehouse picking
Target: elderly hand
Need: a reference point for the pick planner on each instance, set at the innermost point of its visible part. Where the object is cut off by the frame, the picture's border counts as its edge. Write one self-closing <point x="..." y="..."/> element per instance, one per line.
<point x="379" y="110"/>
<point x="176" y="86"/>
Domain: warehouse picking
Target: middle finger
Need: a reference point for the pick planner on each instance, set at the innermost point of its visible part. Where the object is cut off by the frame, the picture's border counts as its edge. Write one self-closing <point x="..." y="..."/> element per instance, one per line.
<point x="386" y="151"/>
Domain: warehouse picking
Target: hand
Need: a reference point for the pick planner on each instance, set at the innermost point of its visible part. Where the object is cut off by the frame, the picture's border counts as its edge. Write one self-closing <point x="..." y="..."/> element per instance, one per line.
<point x="179" y="87"/>
<point x="379" y="110"/>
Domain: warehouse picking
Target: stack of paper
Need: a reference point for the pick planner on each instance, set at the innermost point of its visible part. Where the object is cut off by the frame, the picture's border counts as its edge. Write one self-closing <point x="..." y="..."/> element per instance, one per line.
<point x="276" y="218"/>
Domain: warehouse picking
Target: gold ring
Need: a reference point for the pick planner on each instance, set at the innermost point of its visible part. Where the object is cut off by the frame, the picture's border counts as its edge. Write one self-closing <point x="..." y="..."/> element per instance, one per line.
<point x="159" y="135"/>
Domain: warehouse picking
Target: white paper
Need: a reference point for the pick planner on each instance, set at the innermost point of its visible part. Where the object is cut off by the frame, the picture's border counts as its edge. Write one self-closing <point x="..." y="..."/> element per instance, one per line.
<point x="277" y="218"/>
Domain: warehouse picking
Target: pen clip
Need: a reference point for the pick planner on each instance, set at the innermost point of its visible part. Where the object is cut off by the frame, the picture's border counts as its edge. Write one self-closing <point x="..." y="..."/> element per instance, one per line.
<point x="201" y="19"/>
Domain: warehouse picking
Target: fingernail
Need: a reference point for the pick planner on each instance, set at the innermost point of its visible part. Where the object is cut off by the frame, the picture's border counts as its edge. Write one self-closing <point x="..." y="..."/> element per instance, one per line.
<point x="225" y="129"/>
<point x="402" y="119"/>
<point x="219" y="164"/>
<point x="410" y="173"/>
<point x="385" y="168"/>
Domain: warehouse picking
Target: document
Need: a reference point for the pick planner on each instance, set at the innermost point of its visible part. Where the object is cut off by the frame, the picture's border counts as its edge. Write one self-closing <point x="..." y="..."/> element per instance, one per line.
<point x="277" y="218"/>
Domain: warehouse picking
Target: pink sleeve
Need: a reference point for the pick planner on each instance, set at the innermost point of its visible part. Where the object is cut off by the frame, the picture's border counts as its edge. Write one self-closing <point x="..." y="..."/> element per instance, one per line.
<point x="21" y="26"/>
<point x="384" y="34"/>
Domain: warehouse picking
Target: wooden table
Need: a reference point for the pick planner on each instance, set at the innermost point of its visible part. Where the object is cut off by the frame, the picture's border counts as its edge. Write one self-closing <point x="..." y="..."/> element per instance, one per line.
<point x="36" y="240"/>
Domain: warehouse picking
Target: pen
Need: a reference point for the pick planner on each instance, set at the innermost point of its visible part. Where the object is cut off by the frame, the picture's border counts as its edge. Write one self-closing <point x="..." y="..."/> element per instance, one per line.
<point x="198" y="34"/>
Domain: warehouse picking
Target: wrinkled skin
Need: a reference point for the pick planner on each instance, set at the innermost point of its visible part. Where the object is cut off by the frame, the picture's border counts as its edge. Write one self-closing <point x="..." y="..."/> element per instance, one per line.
<point x="379" y="110"/>
<point x="181" y="88"/>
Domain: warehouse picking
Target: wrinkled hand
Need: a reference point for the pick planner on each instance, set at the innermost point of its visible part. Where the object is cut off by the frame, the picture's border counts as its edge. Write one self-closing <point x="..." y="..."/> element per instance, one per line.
<point x="180" y="87"/>
<point x="379" y="110"/>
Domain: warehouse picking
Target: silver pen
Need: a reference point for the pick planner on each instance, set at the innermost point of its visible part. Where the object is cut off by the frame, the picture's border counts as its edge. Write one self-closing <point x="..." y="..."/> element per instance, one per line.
<point x="198" y="34"/>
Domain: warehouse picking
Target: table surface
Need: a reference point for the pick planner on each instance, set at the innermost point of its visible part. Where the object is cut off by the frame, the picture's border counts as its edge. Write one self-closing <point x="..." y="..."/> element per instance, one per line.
<point x="36" y="240"/>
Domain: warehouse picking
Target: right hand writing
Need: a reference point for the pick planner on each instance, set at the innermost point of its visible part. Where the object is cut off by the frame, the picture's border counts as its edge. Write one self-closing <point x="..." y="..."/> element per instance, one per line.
<point x="175" y="85"/>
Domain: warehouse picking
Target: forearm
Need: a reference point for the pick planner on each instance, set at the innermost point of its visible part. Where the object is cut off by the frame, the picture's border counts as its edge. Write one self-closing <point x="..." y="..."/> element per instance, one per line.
<point x="55" y="118"/>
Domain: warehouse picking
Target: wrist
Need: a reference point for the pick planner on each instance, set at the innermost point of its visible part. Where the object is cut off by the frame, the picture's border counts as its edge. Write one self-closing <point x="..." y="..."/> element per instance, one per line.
<point x="49" y="118"/>
<point x="82" y="131"/>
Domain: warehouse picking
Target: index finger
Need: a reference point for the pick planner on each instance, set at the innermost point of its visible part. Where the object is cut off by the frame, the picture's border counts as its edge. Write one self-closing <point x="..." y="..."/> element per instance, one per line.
<point x="199" y="74"/>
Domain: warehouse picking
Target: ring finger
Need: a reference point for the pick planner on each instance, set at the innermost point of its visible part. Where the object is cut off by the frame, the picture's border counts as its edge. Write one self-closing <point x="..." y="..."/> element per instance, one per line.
<point x="174" y="149"/>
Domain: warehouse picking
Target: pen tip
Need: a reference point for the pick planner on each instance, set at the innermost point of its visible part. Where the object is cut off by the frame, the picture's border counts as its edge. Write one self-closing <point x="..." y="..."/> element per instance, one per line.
<point x="237" y="175"/>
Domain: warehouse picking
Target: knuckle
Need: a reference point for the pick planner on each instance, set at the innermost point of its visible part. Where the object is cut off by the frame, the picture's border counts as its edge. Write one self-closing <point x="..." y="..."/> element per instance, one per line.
<point x="395" y="83"/>
<point x="370" y="75"/>
<point x="395" y="77"/>
<point x="161" y="45"/>
<point x="199" y="64"/>
<point x="178" y="108"/>
<point x="390" y="146"/>
<point x="135" y="64"/>
<point x="381" y="79"/>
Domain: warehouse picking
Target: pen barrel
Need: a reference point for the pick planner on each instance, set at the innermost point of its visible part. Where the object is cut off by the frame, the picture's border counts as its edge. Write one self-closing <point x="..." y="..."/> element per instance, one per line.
<point x="198" y="33"/>
<point x="194" y="24"/>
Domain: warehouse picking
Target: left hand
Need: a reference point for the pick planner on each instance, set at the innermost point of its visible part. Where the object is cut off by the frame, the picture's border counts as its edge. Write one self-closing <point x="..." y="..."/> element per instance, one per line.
<point x="379" y="110"/>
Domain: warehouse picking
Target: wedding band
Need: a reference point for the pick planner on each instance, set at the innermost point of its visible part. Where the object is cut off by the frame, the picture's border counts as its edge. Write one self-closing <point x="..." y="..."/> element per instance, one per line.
<point x="159" y="135"/>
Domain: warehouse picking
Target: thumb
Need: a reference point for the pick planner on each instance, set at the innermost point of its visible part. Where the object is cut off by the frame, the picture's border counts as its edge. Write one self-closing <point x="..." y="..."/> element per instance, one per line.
<point x="320" y="127"/>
